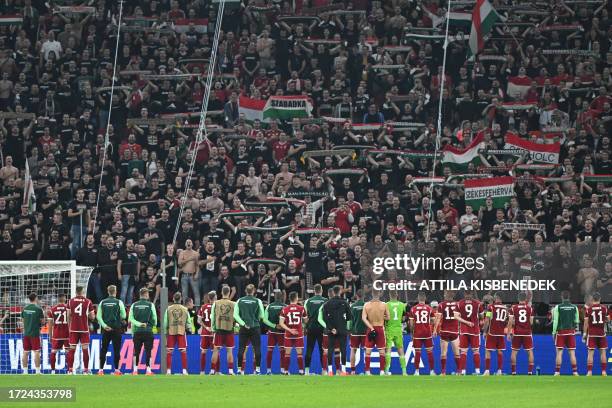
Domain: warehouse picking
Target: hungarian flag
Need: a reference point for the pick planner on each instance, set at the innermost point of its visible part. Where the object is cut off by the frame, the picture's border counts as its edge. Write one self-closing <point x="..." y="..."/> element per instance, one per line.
<point x="29" y="198"/>
<point x="8" y="20"/>
<point x="500" y="189"/>
<point x="483" y="18"/>
<point x="276" y="107"/>
<point x="538" y="152"/>
<point x="518" y="86"/>
<point x="183" y="25"/>
<point x="460" y="21"/>
<point x="459" y="159"/>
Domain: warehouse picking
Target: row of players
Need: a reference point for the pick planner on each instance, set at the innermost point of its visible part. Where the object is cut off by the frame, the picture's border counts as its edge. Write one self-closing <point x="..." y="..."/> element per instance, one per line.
<point x="328" y="322"/>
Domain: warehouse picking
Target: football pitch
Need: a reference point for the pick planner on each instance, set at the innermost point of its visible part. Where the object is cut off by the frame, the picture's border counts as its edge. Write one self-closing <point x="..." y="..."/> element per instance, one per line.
<point x="315" y="391"/>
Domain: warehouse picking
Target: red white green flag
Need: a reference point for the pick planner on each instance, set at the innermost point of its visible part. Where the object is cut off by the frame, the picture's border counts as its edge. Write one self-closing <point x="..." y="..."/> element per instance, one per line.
<point x="483" y="18"/>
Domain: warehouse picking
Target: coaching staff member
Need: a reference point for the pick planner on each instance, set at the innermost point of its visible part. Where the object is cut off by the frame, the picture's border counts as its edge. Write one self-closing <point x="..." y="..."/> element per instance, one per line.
<point x="248" y="313"/>
<point x="336" y="314"/>
<point x="111" y="315"/>
<point x="143" y="318"/>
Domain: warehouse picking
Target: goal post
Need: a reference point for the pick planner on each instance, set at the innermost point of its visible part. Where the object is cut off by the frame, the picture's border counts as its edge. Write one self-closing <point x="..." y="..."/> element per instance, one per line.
<point x="49" y="280"/>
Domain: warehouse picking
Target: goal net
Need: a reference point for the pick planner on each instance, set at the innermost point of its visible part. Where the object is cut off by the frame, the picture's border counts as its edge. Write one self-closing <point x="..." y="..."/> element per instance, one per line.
<point x="48" y="279"/>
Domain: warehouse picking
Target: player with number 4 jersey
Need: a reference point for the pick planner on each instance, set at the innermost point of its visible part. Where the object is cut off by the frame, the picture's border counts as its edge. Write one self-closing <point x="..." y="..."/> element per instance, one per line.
<point x="520" y="320"/>
<point x="495" y="328"/>
<point x="420" y="322"/>
<point x="596" y="317"/>
<point x="80" y="312"/>
<point x="58" y="329"/>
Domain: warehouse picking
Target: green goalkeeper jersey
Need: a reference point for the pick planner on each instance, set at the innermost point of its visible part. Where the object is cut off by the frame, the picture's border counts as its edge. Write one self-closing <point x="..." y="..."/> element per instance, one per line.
<point x="397" y="310"/>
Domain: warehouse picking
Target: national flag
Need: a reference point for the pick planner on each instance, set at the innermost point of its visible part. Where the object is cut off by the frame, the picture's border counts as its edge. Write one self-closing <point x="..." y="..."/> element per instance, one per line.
<point x="483" y="18"/>
<point x="183" y="25"/>
<point x="538" y="152"/>
<point x="598" y="178"/>
<point x="9" y="20"/>
<point x="500" y="189"/>
<point x="460" y="21"/>
<point x="29" y="197"/>
<point x="276" y="107"/>
<point x="459" y="159"/>
<point x="518" y="86"/>
<point x="252" y="109"/>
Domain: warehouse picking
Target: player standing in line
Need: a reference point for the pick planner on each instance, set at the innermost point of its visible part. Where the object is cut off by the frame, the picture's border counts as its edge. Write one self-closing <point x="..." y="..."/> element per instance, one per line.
<point x="80" y="312"/>
<point x="325" y="346"/>
<point x="222" y="317"/>
<point x="276" y="335"/>
<point x="291" y="319"/>
<point x="520" y="320"/>
<point x="448" y="327"/>
<point x="494" y="327"/>
<point x="421" y="316"/>
<point x="374" y="315"/>
<point x="248" y="313"/>
<point x="206" y="335"/>
<point x="565" y="320"/>
<point x="357" y="328"/>
<point x="468" y="313"/>
<point x="111" y="315"/>
<point x="58" y="329"/>
<point x="314" y="330"/>
<point x="143" y="318"/>
<point x="336" y="315"/>
<point x="394" y="333"/>
<point x="177" y="321"/>
<point x="33" y="318"/>
<point x="595" y="319"/>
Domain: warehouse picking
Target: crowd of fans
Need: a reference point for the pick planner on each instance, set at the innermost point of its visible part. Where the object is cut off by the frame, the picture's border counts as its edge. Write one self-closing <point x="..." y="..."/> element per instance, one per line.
<point x="118" y="211"/>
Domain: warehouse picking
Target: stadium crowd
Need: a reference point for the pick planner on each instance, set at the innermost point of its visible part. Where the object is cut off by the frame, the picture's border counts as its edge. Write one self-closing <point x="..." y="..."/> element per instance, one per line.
<point x="376" y="63"/>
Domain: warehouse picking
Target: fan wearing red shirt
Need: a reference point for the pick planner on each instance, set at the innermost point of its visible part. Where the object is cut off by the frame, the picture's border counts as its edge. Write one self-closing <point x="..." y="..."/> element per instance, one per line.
<point x="495" y="328"/>
<point x="58" y="328"/>
<point x="80" y="311"/>
<point x="468" y="313"/>
<point x="420" y="316"/>
<point x="520" y="320"/>
<point x="291" y="319"/>
<point x="596" y="316"/>
<point x="206" y="334"/>
<point x="343" y="216"/>
<point x="448" y="327"/>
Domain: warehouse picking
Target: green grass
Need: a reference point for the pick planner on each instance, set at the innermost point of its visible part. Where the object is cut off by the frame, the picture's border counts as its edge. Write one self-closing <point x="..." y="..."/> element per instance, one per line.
<point x="322" y="392"/>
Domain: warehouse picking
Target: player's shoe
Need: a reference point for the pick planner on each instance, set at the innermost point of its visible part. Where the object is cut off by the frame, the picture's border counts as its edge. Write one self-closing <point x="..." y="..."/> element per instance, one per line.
<point x="499" y="372"/>
<point x="416" y="373"/>
<point x="52" y="372"/>
<point x="168" y="372"/>
<point x="388" y="372"/>
<point x="100" y="372"/>
<point x="432" y="372"/>
<point x="557" y="374"/>
<point x="330" y="373"/>
<point x="443" y="374"/>
<point x="134" y="372"/>
<point x="86" y="372"/>
<point x="575" y="374"/>
<point x="604" y="374"/>
<point x="185" y="371"/>
<point x="117" y="372"/>
<point x="486" y="373"/>
<point x="589" y="373"/>
<point x="344" y="374"/>
<point x="149" y="373"/>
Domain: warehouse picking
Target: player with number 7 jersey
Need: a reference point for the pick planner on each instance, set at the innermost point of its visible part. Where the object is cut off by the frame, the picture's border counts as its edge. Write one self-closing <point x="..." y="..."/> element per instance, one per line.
<point x="80" y="311"/>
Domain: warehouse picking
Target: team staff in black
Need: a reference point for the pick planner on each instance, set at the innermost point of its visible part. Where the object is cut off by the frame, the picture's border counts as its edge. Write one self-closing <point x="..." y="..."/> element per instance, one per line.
<point x="314" y="330"/>
<point x="111" y="316"/>
<point x="336" y="314"/>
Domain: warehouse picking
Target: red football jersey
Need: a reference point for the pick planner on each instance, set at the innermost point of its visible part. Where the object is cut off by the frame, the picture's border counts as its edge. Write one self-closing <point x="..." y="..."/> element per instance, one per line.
<point x="597" y="320"/>
<point x="522" y="314"/>
<point x="293" y="316"/>
<point x="448" y="323"/>
<point x="498" y="313"/>
<point x="204" y="314"/>
<point x="421" y="314"/>
<point x="80" y="307"/>
<point x="59" y="315"/>
<point x="470" y="310"/>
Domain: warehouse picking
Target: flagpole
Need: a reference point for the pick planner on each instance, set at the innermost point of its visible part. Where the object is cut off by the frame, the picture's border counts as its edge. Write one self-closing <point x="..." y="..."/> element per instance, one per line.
<point x="439" y="125"/>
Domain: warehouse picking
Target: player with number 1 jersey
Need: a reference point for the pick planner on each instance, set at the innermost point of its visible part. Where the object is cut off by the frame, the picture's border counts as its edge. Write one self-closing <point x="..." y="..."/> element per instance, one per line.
<point x="80" y="311"/>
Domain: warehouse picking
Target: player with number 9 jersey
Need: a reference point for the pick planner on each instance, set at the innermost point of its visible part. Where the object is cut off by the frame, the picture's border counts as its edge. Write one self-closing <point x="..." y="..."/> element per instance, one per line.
<point x="293" y="317"/>
<point x="80" y="311"/>
<point x="469" y="310"/>
<point x="522" y="316"/>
